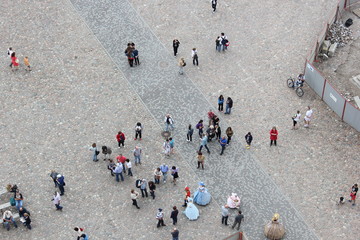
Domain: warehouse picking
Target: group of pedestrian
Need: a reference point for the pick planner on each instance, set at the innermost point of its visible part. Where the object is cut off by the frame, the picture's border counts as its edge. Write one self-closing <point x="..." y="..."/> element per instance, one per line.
<point x="59" y="182"/>
<point x="132" y="54"/>
<point x="307" y="118"/>
<point x="14" y="64"/>
<point x="222" y="43"/>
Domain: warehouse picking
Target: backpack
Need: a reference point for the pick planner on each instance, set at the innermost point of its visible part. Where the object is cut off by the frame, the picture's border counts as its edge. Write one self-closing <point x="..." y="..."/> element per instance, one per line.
<point x="184" y="64"/>
<point x="138" y="183"/>
<point x="12" y="201"/>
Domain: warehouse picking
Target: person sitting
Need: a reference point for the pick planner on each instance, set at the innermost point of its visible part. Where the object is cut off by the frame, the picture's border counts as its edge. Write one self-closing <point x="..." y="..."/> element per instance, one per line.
<point x="7" y="218"/>
<point x="274" y="229"/>
<point x="233" y="201"/>
<point x="300" y="80"/>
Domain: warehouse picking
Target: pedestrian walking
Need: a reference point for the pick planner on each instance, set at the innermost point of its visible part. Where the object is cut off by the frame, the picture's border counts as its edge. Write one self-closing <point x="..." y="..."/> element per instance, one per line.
<point x="200" y="160"/>
<point x="238" y="220"/>
<point x="182" y="64"/>
<point x="118" y="172"/>
<point x="107" y="152"/>
<point x="14" y="62"/>
<point x="7" y="219"/>
<point x="157" y="175"/>
<point x="204" y="141"/>
<point x="194" y="55"/>
<point x="129" y="166"/>
<point x="224" y="41"/>
<point x="152" y="189"/>
<point x="229" y="134"/>
<point x="137" y="155"/>
<point x="120" y="137"/>
<point x="248" y="139"/>
<point x="53" y="175"/>
<point x="308" y="116"/>
<point x="129" y="53"/>
<point x="167" y="147"/>
<point x="56" y="200"/>
<point x="354" y="190"/>
<point x="27" y="64"/>
<point x="273" y="136"/>
<point x="296" y="119"/>
<point x="174" y="215"/>
<point x="213" y="4"/>
<point x="138" y="130"/>
<point x="218" y="132"/>
<point x="189" y="133"/>
<point x="176" y="45"/>
<point x="164" y="170"/>
<point x="136" y="57"/>
<point x="200" y="127"/>
<point x="143" y="188"/>
<point x="223" y="143"/>
<point x="9" y="53"/>
<point x="160" y="218"/>
<point x="18" y="199"/>
<point x="134" y="196"/>
<point x="172" y="145"/>
<point x="174" y="174"/>
<point x="111" y="167"/>
<point x="225" y="214"/>
<point x="95" y="152"/>
<point x="229" y="105"/>
<point x="60" y="179"/>
<point x="221" y="103"/>
<point x="79" y="231"/>
<point x="169" y="122"/>
<point x="218" y="43"/>
<point x="187" y="195"/>
<point x="175" y="234"/>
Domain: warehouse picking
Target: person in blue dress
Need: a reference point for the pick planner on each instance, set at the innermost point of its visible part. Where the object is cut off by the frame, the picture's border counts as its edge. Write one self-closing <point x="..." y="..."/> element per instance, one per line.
<point x="201" y="196"/>
<point x="191" y="211"/>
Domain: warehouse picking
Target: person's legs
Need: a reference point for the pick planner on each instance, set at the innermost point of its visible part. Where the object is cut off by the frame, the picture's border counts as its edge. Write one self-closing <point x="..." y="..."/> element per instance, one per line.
<point x="136" y="136"/>
<point x="146" y="193"/>
<point x="28" y="226"/>
<point x="142" y="192"/>
<point x="122" y="177"/>
<point x="201" y="146"/>
<point x="159" y="223"/>
<point x="6" y="225"/>
<point x="229" y="139"/>
<point x="164" y="177"/>
<point x="190" y="137"/>
<point x="227" y="109"/>
<point x="55" y="182"/>
<point x="13" y="221"/>
<point x="207" y="148"/>
<point x="226" y="220"/>
<point x="202" y="165"/>
<point x="271" y="143"/>
<point x="61" y="188"/>
<point x="117" y="177"/>
<point x="222" y="150"/>
<point x="58" y="207"/>
<point x="198" y="164"/>
<point x="95" y="156"/>
<point x="130" y="172"/>
<point x="275" y="142"/>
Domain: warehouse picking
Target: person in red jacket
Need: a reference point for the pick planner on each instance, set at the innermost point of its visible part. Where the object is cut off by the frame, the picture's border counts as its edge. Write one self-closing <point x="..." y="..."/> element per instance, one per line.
<point x="120" y="137"/>
<point x="14" y="62"/>
<point x="273" y="136"/>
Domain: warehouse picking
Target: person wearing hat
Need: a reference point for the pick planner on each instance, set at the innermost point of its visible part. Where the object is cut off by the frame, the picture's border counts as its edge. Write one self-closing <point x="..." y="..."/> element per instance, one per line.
<point x="187" y="195"/>
<point x="61" y="183"/>
<point x="202" y="196"/>
<point x="274" y="229"/>
<point x="160" y="218"/>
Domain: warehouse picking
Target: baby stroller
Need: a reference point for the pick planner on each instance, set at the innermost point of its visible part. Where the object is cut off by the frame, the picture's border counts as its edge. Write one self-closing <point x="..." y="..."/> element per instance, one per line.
<point x="107" y="152"/>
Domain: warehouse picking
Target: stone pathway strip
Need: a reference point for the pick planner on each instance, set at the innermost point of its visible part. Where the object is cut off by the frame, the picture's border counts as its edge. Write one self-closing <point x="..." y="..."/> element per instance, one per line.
<point x="162" y="90"/>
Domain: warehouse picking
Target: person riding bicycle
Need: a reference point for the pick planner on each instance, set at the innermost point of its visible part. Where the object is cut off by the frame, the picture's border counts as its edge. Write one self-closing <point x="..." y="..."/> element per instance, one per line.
<point x="300" y="80"/>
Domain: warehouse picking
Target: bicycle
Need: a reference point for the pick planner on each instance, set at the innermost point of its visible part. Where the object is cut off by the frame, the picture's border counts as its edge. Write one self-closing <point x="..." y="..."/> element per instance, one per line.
<point x="298" y="89"/>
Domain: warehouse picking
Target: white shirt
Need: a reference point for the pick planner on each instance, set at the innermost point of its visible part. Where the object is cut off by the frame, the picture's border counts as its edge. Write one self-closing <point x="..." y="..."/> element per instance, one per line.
<point x="10" y="52"/>
<point x="7" y="215"/>
<point x="297" y="117"/>
<point x="57" y="199"/>
<point x="128" y="164"/>
<point x="193" y="52"/>
<point x="309" y="113"/>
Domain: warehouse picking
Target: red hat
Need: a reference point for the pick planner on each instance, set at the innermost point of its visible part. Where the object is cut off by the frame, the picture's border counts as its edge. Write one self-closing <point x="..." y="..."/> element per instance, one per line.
<point x="187" y="189"/>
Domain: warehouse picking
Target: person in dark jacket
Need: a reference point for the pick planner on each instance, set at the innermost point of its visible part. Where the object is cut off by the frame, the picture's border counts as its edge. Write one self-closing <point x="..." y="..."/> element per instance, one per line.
<point x="174" y="215"/>
<point x="176" y="45"/>
<point x="22" y="211"/>
<point x="152" y="189"/>
<point x="229" y="105"/>
<point x="53" y="175"/>
<point x="61" y="183"/>
<point x="27" y="222"/>
<point x="248" y="139"/>
<point x="221" y="103"/>
<point x="189" y="134"/>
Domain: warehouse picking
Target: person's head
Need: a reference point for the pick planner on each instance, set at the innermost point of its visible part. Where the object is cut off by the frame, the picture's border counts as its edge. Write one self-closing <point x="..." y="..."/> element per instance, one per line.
<point x="132" y="191"/>
<point x="127" y="160"/>
<point x="133" y="44"/>
<point x="240" y="212"/>
<point x="355" y="185"/>
<point x="182" y="59"/>
<point x="56" y="193"/>
<point x="204" y="135"/>
<point x="10" y="48"/>
<point x="309" y="107"/>
<point x="26" y="214"/>
<point x="13" y="54"/>
<point x="138" y="124"/>
<point x="249" y="133"/>
<point x="151" y="183"/>
<point x="76" y="229"/>
<point x="170" y="139"/>
<point x="167" y="115"/>
<point x="194" y="49"/>
<point x="201" y="121"/>
<point x="26" y="57"/>
<point x="136" y="147"/>
<point x="174" y="208"/>
<point x="226" y="206"/>
<point x="200" y="153"/>
<point x="173" y="167"/>
<point x="221" y="97"/>
<point x="160" y="209"/>
<point x="158" y="169"/>
<point x="93" y="145"/>
<point x="189" y="126"/>
<point x="341" y="199"/>
<point x="229" y="129"/>
<point x="274" y="128"/>
<point x="111" y="161"/>
<point x="276" y="217"/>
<point x="187" y="189"/>
<point x="129" y="44"/>
<point x="222" y="34"/>
<point x="298" y="111"/>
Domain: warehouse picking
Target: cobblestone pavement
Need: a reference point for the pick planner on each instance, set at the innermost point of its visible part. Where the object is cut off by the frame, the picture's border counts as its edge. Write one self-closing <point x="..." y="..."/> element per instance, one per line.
<point x="69" y="100"/>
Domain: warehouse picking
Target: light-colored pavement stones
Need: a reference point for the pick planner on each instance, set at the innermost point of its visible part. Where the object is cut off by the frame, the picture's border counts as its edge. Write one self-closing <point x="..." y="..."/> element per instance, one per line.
<point x="76" y="95"/>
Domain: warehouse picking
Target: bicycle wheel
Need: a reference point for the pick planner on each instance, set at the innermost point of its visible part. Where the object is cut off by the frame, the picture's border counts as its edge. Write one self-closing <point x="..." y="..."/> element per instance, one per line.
<point x="290" y="82"/>
<point x="299" y="91"/>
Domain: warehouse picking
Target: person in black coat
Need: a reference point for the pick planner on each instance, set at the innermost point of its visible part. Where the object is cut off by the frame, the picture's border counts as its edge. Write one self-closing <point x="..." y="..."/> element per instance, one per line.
<point x="174" y="215"/>
<point x="229" y="105"/>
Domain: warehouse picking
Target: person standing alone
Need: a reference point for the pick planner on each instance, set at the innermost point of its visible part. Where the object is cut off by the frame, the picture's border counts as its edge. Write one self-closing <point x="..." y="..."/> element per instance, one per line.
<point x="213" y="4"/>
<point x="160" y="218"/>
<point x="273" y="136"/>
<point x="195" y="57"/>
<point x="229" y="105"/>
<point x="176" y="45"/>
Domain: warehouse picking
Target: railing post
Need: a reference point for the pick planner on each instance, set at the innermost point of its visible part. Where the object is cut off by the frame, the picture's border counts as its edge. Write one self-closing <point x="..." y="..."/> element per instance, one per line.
<point x="342" y="116"/>
<point x="322" y="95"/>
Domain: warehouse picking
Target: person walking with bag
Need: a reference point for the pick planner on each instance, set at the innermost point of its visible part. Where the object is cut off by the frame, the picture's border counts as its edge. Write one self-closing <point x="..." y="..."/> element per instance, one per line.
<point x="96" y="152"/>
<point x="176" y="45"/>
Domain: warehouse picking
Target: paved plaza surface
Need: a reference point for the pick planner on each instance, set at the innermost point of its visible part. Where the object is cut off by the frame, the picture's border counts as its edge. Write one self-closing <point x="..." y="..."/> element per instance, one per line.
<point x="81" y="90"/>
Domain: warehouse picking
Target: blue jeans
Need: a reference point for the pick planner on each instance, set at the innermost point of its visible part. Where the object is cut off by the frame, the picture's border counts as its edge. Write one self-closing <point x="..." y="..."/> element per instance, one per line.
<point x="129" y="172"/>
<point x="7" y="224"/>
<point x="205" y="147"/>
<point x="117" y="177"/>
<point x="167" y="127"/>
<point x="228" y="109"/>
<point x="18" y="204"/>
<point x="94" y="157"/>
<point x="164" y="176"/>
<point x="218" y="48"/>
<point x="58" y="207"/>
<point x="137" y="159"/>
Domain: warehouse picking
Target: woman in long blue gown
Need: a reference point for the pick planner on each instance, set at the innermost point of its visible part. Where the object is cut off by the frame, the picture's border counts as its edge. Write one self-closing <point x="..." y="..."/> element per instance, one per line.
<point x="191" y="210"/>
<point x="201" y="196"/>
